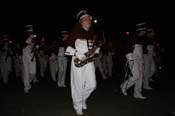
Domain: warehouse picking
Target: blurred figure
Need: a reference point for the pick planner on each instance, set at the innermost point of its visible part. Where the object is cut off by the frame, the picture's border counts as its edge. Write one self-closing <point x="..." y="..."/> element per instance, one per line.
<point x="62" y="60"/>
<point x="53" y="63"/>
<point x="134" y="56"/>
<point x="18" y="61"/>
<point x="29" y="61"/>
<point x="5" y="59"/>
<point x="149" y="63"/>
<point x="110" y="55"/>
<point x="98" y="61"/>
<point x="99" y="65"/>
<point x="43" y="57"/>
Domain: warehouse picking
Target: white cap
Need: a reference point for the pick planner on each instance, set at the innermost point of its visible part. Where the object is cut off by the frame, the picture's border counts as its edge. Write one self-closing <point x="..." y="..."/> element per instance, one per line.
<point x="141" y="26"/>
<point x="29" y="28"/>
<point x="81" y="14"/>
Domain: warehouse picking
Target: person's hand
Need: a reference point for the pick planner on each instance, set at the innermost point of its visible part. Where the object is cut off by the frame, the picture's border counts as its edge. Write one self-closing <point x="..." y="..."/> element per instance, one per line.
<point x="37" y="46"/>
<point x="80" y="56"/>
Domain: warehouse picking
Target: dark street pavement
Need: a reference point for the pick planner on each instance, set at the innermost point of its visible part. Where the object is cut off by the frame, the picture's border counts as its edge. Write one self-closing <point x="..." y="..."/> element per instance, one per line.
<point x="46" y="99"/>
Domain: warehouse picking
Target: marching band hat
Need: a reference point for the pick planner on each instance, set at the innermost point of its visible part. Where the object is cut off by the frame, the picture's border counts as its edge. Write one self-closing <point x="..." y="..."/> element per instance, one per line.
<point x="81" y="14"/>
<point x="29" y="28"/>
<point x="141" y="26"/>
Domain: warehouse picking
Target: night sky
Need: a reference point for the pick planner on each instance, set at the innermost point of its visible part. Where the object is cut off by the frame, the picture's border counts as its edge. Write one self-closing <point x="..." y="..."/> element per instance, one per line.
<point x="116" y="16"/>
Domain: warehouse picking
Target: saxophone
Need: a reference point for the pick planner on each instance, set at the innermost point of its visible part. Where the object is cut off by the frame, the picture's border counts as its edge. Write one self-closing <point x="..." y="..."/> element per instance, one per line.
<point x="90" y="56"/>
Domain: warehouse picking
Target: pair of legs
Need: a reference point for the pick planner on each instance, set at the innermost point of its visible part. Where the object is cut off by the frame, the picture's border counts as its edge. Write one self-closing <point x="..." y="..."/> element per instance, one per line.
<point x="62" y="67"/>
<point x="136" y="67"/>
<point x="83" y="83"/>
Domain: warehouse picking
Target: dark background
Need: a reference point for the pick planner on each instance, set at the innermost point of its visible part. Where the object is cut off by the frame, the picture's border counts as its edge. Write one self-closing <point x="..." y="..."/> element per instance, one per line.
<point x="115" y="17"/>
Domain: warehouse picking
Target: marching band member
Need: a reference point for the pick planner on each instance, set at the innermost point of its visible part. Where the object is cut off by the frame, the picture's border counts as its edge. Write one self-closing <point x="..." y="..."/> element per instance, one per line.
<point x="5" y="59"/>
<point x="29" y="61"/>
<point x="62" y="60"/>
<point x="136" y="62"/>
<point x="149" y="63"/>
<point x="79" y="42"/>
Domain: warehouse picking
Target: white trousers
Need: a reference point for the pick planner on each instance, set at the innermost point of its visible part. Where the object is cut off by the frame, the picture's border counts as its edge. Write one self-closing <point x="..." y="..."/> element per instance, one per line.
<point x="29" y="72"/>
<point x="62" y="67"/>
<point x="137" y="70"/>
<point x="149" y="69"/>
<point x="98" y="64"/>
<point x="53" y="66"/>
<point x="83" y="83"/>
<point x="136" y="67"/>
<point x="5" y="69"/>
<point x="107" y="64"/>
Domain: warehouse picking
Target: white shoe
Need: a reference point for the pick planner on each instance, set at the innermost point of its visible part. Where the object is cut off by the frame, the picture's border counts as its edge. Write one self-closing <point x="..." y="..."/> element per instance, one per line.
<point x="59" y="85"/>
<point x="84" y="106"/>
<point x="26" y="91"/>
<point x="105" y="77"/>
<point x="148" y="88"/>
<point x="63" y="85"/>
<point x="139" y="96"/>
<point x="79" y="112"/>
<point x="35" y="80"/>
<point x="123" y="89"/>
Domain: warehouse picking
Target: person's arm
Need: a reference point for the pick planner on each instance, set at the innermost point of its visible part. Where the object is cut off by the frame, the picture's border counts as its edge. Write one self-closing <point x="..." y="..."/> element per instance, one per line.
<point x="72" y="52"/>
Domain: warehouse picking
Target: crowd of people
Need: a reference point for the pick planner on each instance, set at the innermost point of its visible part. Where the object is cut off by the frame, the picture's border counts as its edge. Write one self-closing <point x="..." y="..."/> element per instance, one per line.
<point x="86" y="52"/>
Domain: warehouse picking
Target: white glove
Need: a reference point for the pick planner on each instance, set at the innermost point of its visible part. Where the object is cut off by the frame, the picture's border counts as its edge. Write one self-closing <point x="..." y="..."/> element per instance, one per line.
<point x="37" y="46"/>
<point x="70" y="51"/>
<point x="97" y="51"/>
<point x="80" y="56"/>
<point x="32" y="35"/>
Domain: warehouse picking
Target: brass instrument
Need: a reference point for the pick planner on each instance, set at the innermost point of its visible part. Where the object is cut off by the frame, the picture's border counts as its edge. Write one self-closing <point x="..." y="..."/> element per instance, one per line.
<point x="90" y="55"/>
